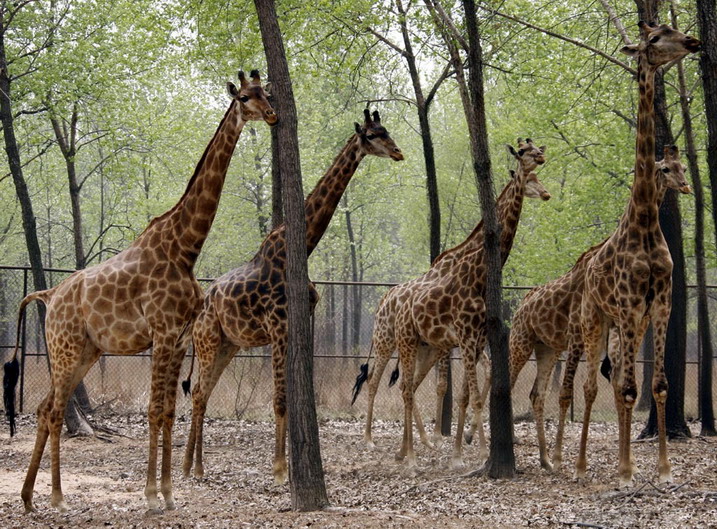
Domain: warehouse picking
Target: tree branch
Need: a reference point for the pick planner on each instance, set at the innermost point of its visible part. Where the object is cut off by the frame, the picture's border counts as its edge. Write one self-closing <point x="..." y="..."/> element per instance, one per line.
<point x="390" y="44"/>
<point x="616" y="22"/>
<point x="575" y="42"/>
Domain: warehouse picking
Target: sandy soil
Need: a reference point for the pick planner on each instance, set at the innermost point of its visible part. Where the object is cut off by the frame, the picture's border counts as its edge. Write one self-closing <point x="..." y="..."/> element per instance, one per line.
<point x="103" y="483"/>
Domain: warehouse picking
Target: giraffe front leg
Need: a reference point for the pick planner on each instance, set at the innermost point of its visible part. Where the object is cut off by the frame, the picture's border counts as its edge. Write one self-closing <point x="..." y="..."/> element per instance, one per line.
<point x="659" y="385"/>
<point x="168" y="416"/>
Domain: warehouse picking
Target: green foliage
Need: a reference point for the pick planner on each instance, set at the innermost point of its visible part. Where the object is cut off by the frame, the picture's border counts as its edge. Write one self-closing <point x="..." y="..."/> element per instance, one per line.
<point x="149" y="78"/>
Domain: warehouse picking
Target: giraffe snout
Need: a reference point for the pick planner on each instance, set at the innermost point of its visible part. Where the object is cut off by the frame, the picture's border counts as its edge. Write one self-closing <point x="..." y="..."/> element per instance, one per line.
<point x="397" y="154"/>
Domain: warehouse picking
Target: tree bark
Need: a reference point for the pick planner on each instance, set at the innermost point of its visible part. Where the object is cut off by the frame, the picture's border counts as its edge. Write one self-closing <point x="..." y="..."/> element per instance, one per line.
<point x="277" y="205"/>
<point x="501" y="462"/>
<point x="306" y="475"/>
<point x="707" y="24"/>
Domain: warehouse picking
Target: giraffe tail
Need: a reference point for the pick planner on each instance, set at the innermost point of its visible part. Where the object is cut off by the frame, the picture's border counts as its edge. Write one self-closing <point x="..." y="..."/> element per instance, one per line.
<point x="11" y="369"/>
<point x="394" y="375"/>
<point x="187" y="384"/>
<point x="606" y="367"/>
<point x="362" y="377"/>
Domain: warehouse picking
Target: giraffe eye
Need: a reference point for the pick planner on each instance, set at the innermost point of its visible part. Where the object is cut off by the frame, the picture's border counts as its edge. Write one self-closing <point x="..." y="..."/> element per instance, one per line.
<point x="655" y="39"/>
<point x="243" y="99"/>
<point x="370" y="136"/>
<point x="665" y="169"/>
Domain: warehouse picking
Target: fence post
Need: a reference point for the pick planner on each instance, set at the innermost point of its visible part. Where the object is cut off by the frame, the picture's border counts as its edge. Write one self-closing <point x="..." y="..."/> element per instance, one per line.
<point x="22" y="349"/>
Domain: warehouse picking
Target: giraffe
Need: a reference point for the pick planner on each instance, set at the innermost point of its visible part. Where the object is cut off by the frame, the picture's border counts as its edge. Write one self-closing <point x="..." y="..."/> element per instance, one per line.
<point x="383" y="342"/>
<point x="145" y="296"/>
<point x="447" y="311"/>
<point x="246" y="307"/>
<point x="548" y="321"/>
<point x="628" y="280"/>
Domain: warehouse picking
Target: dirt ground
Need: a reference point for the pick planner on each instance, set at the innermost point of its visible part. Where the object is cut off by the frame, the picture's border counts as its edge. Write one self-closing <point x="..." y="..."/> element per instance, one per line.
<point x="103" y="483"/>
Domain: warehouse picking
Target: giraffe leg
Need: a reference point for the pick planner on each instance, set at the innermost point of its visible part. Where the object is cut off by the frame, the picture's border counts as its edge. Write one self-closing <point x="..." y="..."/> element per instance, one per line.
<point x="79" y="357"/>
<point x="408" y="364"/>
<point x="383" y="355"/>
<point x="209" y="375"/>
<point x="211" y="360"/>
<point x="660" y="316"/>
<point x="441" y="388"/>
<point x="168" y="415"/>
<point x="470" y="348"/>
<point x="457" y="457"/>
<point x="280" y="468"/>
<point x="566" y="397"/>
<point x="426" y="360"/>
<point x="484" y="361"/>
<point x="545" y="359"/>
<point x="594" y="335"/>
<point x="162" y="363"/>
<point x="43" y="433"/>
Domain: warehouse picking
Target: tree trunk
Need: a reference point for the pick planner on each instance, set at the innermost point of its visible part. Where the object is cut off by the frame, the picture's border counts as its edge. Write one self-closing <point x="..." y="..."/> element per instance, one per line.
<point x="277" y="205"/>
<point x="707" y="23"/>
<point x="501" y="463"/>
<point x="355" y="315"/>
<point x="306" y="475"/>
<point x="261" y="216"/>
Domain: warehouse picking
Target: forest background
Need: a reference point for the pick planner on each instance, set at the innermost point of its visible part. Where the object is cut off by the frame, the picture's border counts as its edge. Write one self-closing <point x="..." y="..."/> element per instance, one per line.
<point x="114" y="102"/>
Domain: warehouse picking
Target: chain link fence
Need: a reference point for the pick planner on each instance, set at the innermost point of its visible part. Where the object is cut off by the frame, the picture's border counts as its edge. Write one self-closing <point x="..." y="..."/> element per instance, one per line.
<point x="342" y="327"/>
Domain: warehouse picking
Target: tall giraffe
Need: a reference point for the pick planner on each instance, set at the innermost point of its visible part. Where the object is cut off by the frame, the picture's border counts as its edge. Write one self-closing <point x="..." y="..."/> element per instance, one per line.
<point x="448" y="311"/>
<point x="246" y="307"/>
<point x="145" y="296"/>
<point x="547" y="321"/>
<point x="383" y="342"/>
<point x="628" y="280"/>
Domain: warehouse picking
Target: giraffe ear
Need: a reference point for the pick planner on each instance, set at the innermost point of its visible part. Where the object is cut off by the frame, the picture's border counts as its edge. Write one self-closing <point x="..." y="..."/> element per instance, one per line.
<point x="376" y="116"/>
<point x="367" y="115"/>
<point x="630" y="50"/>
<point x="255" y="77"/>
<point x="357" y="128"/>
<point x="511" y="150"/>
<point x="232" y="89"/>
<point x="542" y="148"/>
<point x="512" y="173"/>
<point x="267" y="88"/>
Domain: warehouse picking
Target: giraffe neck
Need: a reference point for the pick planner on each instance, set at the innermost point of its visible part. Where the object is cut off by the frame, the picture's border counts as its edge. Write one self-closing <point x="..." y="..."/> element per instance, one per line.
<point x="509" y="210"/>
<point x="321" y="203"/>
<point x="644" y="196"/>
<point x="185" y="227"/>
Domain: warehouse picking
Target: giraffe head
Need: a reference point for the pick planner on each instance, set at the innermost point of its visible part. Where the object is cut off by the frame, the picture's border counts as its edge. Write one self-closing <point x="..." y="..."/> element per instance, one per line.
<point x="528" y="155"/>
<point x="671" y="170"/>
<point x="661" y="44"/>
<point x="534" y="188"/>
<point x="253" y="99"/>
<point x="374" y="138"/>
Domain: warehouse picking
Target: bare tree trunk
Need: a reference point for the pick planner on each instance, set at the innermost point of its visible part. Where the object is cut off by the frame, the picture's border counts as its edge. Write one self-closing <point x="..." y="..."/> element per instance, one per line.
<point x="306" y="475"/>
<point x="277" y="205"/>
<point x="648" y="357"/>
<point x="501" y="463"/>
<point x="707" y="23"/>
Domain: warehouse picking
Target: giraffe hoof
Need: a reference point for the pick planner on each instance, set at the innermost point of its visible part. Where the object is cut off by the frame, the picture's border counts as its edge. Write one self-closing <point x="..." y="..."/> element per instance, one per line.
<point x="154" y="511"/>
<point x="29" y="507"/>
<point x="370" y="445"/>
<point x="457" y="463"/>
<point x="666" y="478"/>
<point x="399" y="457"/>
<point x="545" y="465"/>
<point x="428" y="443"/>
<point x="438" y="441"/>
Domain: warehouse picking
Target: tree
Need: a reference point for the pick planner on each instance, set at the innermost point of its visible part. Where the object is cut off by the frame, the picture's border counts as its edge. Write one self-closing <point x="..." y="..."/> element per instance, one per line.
<point x="707" y="23"/>
<point x="306" y="475"/>
<point x="501" y="462"/>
